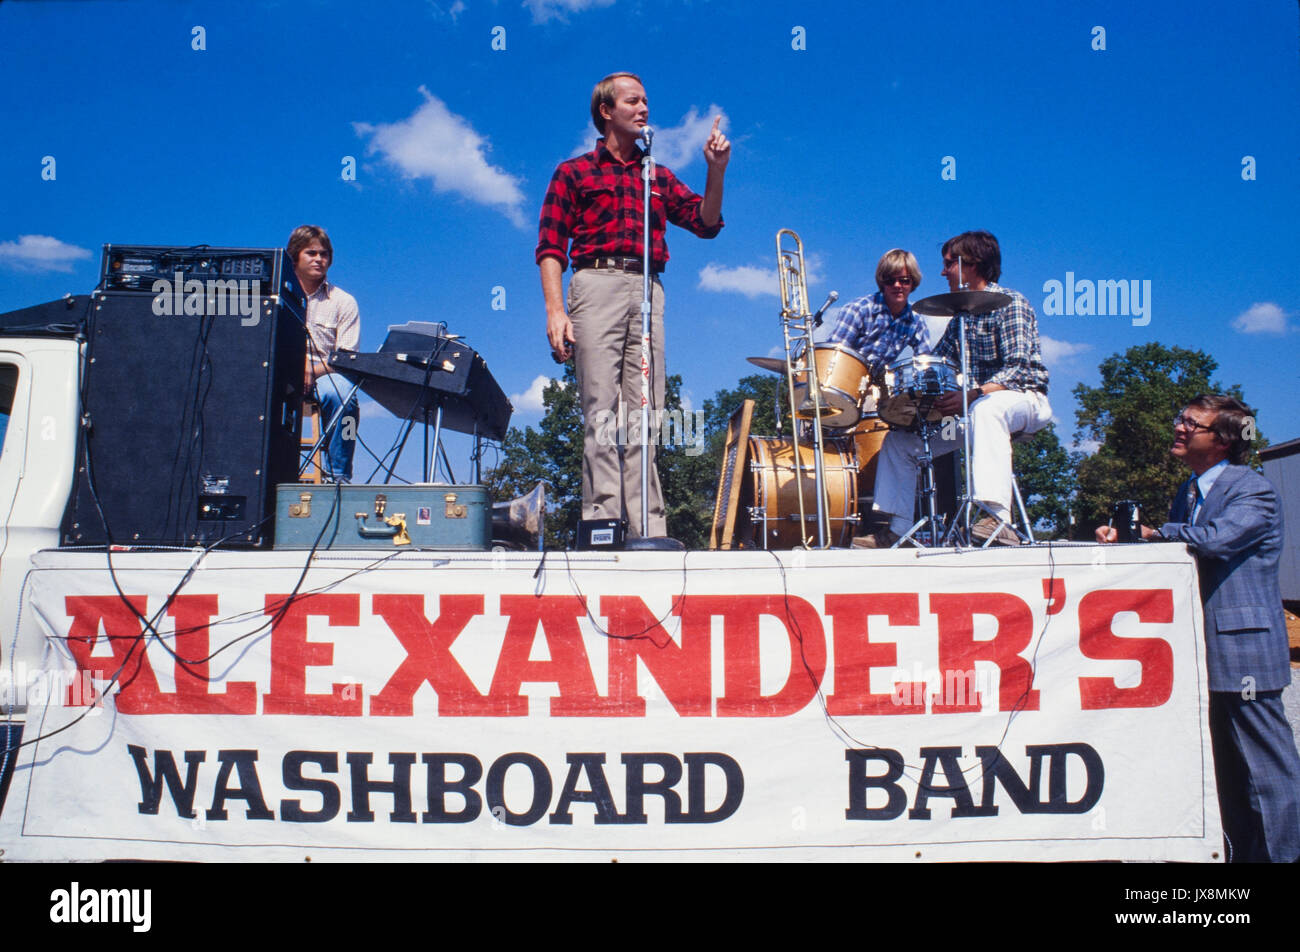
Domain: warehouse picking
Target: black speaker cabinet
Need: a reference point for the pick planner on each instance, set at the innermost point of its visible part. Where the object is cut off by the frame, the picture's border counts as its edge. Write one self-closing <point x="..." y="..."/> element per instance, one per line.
<point x="193" y="397"/>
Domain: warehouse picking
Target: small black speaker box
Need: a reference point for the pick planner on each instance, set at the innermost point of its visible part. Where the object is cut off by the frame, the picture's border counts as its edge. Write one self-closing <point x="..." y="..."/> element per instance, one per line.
<point x="601" y="534"/>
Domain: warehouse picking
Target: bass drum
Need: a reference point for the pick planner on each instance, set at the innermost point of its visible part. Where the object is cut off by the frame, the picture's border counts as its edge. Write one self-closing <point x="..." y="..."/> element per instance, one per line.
<point x="868" y="437"/>
<point x="770" y="498"/>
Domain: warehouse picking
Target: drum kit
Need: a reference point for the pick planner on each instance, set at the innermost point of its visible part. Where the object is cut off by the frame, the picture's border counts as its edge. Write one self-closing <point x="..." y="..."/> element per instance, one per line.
<point x="841" y="415"/>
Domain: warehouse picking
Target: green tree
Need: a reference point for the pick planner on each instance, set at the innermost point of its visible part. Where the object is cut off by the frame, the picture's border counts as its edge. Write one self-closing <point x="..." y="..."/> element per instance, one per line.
<point x="1046" y="472"/>
<point x="1131" y="417"/>
<point x="553" y="453"/>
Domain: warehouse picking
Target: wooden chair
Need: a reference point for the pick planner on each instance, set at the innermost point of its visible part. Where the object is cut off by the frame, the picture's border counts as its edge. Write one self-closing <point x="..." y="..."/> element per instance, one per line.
<point x="310" y="415"/>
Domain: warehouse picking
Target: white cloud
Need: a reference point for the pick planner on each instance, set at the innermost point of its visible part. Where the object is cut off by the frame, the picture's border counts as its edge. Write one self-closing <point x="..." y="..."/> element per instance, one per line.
<point x="530" y="401"/>
<point x="40" y="253"/>
<point x="674" y="146"/>
<point x="747" y="280"/>
<point x="753" y="281"/>
<point x="544" y="10"/>
<point x="370" y="410"/>
<point x="1263" y="318"/>
<point x="1055" y="350"/>
<point x="436" y="144"/>
<point x="677" y="146"/>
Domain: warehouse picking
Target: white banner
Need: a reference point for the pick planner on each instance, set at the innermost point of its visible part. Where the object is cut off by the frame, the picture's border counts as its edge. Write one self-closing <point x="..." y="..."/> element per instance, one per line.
<point x="1036" y="703"/>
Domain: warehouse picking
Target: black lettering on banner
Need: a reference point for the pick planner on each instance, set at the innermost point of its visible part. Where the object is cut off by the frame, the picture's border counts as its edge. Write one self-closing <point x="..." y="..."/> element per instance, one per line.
<point x="496" y="781"/>
<point x="164" y="771"/>
<point x="996" y="769"/>
<point x="362" y="786"/>
<point x="597" y="793"/>
<point x="638" y="787"/>
<point x="1026" y="797"/>
<point x="696" y="800"/>
<point x="860" y="782"/>
<point x="1056" y="793"/>
<point x="1029" y="798"/>
<point x="243" y="762"/>
<point x="439" y="786"/>
<point x="955" y="789"/>
<point x="291" y="811"/>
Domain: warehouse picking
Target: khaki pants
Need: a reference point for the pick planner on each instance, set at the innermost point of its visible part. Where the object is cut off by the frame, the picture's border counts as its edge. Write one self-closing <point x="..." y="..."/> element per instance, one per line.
<point x="605" y="308"/>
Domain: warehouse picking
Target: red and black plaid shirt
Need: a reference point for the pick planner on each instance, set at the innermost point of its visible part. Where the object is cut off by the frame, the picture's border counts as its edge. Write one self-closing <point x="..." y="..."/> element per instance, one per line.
<point x="594" y="201"/>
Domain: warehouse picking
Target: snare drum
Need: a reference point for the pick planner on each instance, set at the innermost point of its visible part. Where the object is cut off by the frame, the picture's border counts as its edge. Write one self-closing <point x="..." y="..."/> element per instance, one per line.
<point x="913" y="384"/>
<point x="843" y="380"/>
<point x="770" y="498"/>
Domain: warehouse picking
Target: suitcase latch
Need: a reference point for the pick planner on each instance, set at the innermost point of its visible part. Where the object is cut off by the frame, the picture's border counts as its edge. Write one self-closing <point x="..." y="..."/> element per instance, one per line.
<point x="451" y="509"/>
<point x="302" y="508"/>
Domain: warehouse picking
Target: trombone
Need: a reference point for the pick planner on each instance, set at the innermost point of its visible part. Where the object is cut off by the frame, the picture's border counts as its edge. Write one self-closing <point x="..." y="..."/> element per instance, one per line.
<point x="797" y="328"/>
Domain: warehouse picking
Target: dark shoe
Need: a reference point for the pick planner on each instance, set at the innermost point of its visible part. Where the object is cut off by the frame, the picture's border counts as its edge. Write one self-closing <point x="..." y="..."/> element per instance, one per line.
<point x="980" y="532"/>
<point x="884" y="539"/>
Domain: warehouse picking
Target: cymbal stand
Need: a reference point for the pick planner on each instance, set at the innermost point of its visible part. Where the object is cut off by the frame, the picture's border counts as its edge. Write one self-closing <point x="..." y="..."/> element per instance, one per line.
<point x="959" y="532"/>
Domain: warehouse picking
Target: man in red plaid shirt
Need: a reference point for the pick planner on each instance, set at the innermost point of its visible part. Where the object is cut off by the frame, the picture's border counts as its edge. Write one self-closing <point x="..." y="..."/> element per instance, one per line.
<point x="591" y="217"/>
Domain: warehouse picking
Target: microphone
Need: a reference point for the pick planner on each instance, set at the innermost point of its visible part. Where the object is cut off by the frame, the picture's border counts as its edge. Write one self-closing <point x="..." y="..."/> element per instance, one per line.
<point x="830" y="299"/>
<point x="647" y="134"/>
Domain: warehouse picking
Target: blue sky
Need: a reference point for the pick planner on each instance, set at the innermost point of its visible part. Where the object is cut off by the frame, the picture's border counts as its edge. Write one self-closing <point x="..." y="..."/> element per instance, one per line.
<point x="1123" y="163"/>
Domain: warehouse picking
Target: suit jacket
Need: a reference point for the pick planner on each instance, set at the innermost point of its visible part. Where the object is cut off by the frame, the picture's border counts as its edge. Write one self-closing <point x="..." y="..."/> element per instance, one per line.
<point x="1237" y="539"/>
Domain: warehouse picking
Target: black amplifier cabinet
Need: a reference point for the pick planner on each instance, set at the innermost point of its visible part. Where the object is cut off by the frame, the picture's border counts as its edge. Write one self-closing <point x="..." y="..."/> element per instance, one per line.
<point x="192" y="395"/>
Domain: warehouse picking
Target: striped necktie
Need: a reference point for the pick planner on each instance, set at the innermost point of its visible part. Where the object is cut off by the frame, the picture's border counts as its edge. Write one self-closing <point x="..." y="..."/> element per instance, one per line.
<point x="1193" y="500"/>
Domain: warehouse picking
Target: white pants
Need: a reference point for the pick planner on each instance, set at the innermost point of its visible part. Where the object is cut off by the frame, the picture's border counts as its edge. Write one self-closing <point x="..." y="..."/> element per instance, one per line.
<point x="995" y="417"/>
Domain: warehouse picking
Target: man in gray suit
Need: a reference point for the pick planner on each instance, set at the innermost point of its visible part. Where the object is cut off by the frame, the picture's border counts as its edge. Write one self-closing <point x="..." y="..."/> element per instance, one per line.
<point x="1230" y="517"/>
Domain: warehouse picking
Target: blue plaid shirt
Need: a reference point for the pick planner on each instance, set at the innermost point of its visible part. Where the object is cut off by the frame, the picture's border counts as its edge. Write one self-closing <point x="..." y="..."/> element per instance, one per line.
<point x="1003" y="345"/>
<point x="867" y="326"/>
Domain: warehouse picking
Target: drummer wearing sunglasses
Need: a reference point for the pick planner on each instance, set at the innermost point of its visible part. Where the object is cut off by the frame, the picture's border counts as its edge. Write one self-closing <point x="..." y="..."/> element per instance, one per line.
<point x="880" y="325"/>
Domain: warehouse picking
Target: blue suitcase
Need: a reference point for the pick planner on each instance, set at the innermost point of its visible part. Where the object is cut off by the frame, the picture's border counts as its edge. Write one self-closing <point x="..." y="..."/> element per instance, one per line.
<point x="423" y="515"/>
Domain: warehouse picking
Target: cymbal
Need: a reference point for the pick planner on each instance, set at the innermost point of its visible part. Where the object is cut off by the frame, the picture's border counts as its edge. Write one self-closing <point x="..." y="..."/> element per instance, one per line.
<point x="774" y="364"/>
<point x="971" y="302"/>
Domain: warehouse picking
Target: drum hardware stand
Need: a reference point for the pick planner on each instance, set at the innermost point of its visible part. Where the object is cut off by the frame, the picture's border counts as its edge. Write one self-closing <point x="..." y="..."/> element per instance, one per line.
<point x="925" y="463"/>
<point x="959" y="531"/>
<point x="796" y="320"/>
<point x="959" y="305"/>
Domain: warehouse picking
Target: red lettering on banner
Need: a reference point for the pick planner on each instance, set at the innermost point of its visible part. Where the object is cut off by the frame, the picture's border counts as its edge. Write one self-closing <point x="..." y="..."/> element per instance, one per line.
<point x="428" y="657"/>
<point x="292" y="654"/>
<point x="743" y="695"/>
<point x="191" y="614"/>
<point x="569" y="667"/>
<point x="856" y="654"/>
<point x="958" y="651"/>
<point x="1096" y="640"/>
<point x="137" y="684"/>
<point x="683" y="672"/>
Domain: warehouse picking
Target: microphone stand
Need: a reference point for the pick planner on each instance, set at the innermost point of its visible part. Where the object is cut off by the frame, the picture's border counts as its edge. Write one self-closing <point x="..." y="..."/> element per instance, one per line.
<point x="647" y="265"/>
<point x="647" y="176"/>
